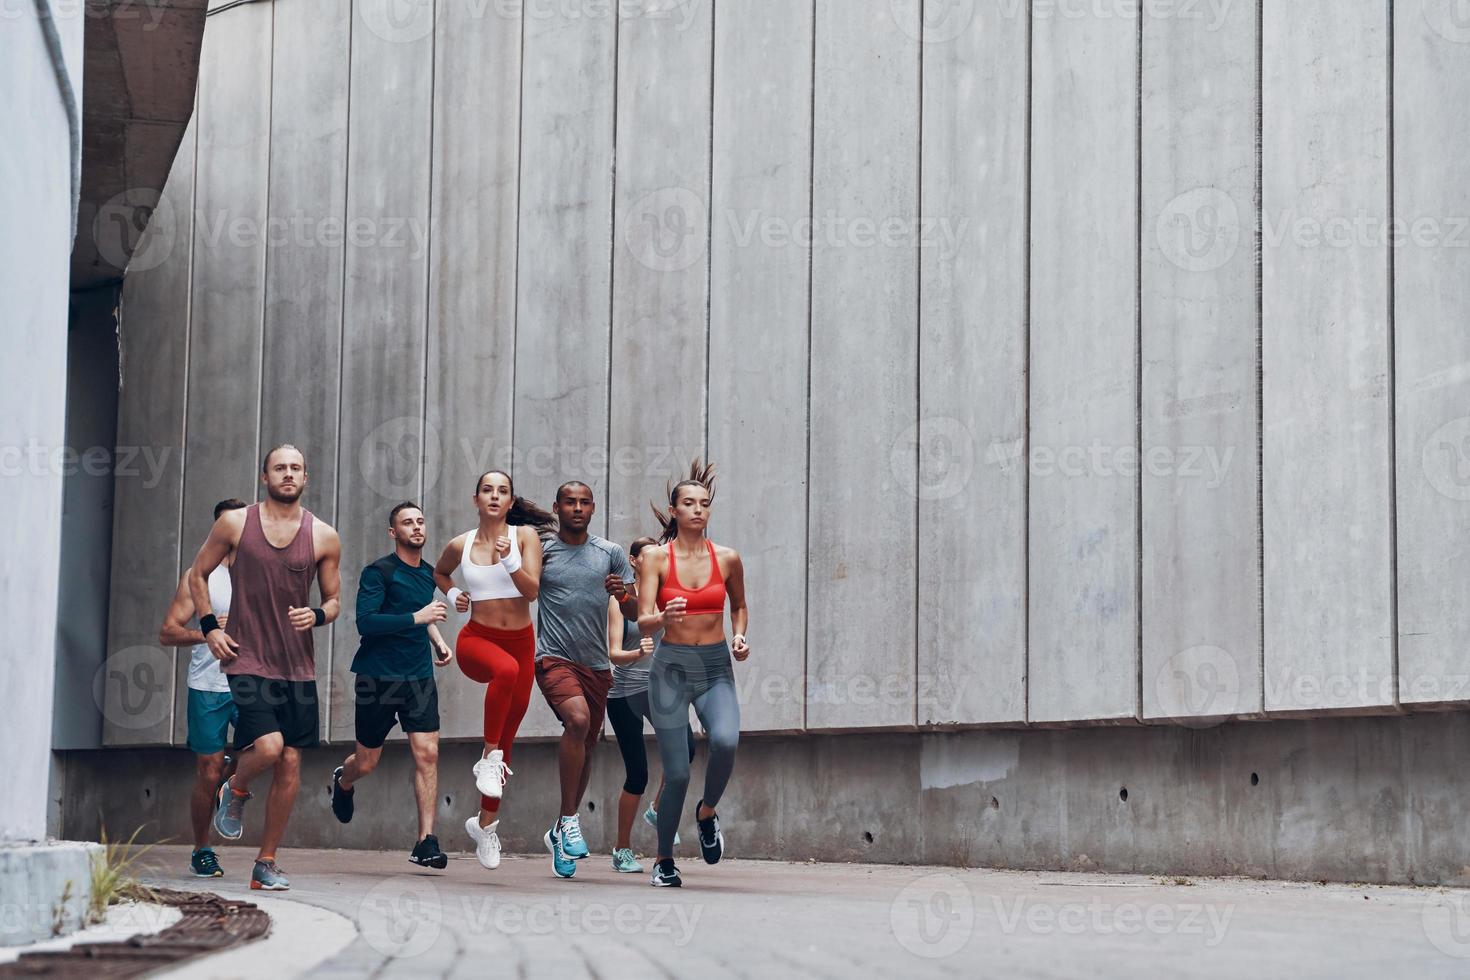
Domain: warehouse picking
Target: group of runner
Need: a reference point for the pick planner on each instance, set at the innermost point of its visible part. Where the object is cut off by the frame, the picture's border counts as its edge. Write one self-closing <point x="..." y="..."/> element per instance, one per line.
<point x="623" y="639"/>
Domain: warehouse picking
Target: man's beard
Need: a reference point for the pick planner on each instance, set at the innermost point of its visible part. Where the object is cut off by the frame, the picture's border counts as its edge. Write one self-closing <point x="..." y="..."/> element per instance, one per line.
<point x="281" y="496"/>
<point x="411" y="546"/>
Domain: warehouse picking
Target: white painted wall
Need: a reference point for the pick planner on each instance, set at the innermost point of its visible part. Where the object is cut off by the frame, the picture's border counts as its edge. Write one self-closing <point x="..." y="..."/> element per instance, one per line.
<point x="35" y="196"/>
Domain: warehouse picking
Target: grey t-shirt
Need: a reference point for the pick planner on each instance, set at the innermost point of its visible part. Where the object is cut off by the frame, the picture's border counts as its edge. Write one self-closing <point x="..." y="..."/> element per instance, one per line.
<point x="571" y="612"/>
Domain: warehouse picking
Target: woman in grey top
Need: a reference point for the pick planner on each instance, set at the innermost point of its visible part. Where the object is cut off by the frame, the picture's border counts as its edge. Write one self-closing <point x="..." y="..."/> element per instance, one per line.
<point x="627" y="706"/>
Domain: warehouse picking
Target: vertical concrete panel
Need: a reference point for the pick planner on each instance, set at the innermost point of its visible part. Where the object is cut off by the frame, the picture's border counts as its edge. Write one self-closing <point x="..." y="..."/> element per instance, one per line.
<point x="1327" y="417"/>
<point x="1200" y="336"/>
<point x="1431" y="307"/>
<point x="472" y="287"/>
<point x="864" y="354"/>
<point x="226" y="297"/>
<point x="660" y="257"/>
<point x="759" y="307"/>
<point x="138" y="687"/>
<point x="563" y="267"/>
<point x="971" y="480"/>
<point x="301" y="355"/>
<point x="1083" y="589"/>
<point x="381" y="453"/>
<point x="307" y="228"/>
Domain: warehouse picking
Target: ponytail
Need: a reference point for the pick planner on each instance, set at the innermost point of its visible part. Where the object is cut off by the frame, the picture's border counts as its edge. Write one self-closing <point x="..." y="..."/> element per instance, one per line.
<point x="522" y="511"/>
<point x="700" y="475"/>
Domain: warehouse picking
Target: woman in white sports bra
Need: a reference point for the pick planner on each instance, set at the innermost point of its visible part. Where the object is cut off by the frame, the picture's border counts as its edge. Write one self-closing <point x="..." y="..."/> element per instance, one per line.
<point x="500" y="565"/>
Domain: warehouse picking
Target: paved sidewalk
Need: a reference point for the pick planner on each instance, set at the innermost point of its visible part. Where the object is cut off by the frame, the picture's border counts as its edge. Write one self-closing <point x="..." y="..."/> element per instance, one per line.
<point x="769" y="919"/>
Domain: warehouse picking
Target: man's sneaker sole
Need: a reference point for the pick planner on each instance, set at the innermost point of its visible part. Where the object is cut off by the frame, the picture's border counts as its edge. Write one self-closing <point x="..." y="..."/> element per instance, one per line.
<point x="209" y="874"/>
<point x="258" y="887"/>
<point x="438" y="862"/>
<point x="219" y="803"/>
<point x="666" y="882"/>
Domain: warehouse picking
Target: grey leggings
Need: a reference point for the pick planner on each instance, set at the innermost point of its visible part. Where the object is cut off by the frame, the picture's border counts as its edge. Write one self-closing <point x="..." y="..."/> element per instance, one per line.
<point x="701" y="676"/>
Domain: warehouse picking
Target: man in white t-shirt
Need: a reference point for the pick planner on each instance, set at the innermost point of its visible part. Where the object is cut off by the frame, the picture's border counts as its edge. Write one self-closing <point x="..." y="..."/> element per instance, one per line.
<point x="211" y="709"/>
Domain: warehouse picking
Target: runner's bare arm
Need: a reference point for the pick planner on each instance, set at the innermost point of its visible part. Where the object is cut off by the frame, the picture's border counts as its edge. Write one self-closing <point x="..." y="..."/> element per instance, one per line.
<point x="329" y="573"/>
<point x="650" y="566"/>
<point x="175" y="631"/>
<point x="224" y="536"/>
<point x="739" y="612"/>
<point x="328" y="579"/>
<point x="444" y="572"/>
<point x="615" y="652"/>
<point x="527" y="578"/>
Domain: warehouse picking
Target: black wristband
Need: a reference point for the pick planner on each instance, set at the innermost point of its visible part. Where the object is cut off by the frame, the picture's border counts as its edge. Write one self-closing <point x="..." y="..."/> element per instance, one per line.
<point x="208" y="623"/>
<point x="320" y="614"/>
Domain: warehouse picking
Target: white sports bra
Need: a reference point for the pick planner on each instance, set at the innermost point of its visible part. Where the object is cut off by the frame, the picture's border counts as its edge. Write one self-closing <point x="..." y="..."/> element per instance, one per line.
<point x="489" y="581"/>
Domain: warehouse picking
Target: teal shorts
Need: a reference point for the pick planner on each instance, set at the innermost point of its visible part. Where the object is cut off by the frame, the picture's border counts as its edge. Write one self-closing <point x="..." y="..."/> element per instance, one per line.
<point x="211" y="713"/>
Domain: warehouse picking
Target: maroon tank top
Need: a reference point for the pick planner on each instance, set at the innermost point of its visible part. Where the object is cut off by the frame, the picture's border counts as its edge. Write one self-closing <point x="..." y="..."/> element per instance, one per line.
<point x="266" y="580"/>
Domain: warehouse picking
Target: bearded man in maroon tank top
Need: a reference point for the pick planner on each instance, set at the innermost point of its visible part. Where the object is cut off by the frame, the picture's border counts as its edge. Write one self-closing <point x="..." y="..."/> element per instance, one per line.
<point x="267" y="655"/>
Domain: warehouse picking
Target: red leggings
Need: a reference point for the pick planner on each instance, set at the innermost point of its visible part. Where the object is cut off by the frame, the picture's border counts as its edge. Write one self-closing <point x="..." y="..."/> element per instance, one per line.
<point x="504" y="661"/>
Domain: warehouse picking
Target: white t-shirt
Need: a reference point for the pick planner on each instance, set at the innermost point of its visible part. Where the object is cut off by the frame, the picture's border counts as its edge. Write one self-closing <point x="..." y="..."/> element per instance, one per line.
<point x="204" y="672"/>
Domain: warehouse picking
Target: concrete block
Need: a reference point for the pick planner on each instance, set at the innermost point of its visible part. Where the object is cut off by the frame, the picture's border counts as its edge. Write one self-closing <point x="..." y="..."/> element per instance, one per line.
<point x="1201" y="326"/>
<point x="970" y="439"/>
<point x="1432" y="351"/>
<point x="759" y="304"/>
<point x="45" y="889"/>
<point x="1325" y="358"/>
<point x="1083" y="588"/>
<point x="862" y="561"/>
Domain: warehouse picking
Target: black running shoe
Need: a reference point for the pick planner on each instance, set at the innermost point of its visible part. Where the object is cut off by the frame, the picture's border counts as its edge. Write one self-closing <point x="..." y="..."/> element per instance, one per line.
<point x="665" y="875"/>
<point x="426" y="854"/>
<point x="341" y="798"/>
<point x="711" y="840"/>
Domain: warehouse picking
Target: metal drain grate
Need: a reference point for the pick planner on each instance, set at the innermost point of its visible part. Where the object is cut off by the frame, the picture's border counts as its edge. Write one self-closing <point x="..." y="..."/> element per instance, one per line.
<point x="209" y="924"/>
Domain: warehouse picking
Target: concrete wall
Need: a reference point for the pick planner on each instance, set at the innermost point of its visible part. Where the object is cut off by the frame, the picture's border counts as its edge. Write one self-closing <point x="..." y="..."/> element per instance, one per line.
<point x="1342" y="799"/>
<point x="36" y="197"/>
<point x="1060" y="360"/>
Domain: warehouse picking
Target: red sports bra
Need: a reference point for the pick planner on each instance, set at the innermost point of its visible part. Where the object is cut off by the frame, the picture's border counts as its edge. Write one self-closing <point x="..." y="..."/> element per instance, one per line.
<point x="700" y="602"/>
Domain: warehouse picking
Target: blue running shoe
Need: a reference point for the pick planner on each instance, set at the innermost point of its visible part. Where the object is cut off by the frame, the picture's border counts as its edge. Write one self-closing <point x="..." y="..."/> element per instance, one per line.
<point x="625" y="863"/>
<point x="230" y="813"/>
<point x="561" y="865"/>
<point x="571" y="838"/>
<point x="267" y="877"/>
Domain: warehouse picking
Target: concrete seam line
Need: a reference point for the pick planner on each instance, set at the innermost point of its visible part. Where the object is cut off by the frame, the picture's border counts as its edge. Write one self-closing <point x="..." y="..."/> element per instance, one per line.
<point x="69" y="100"/>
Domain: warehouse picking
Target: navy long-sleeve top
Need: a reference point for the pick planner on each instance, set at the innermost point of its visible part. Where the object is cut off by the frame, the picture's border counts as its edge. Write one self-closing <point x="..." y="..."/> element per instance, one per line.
<point x="393" y="646"/>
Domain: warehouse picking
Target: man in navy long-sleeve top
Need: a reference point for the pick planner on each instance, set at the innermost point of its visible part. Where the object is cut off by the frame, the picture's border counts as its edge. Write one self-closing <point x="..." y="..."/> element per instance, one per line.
<point x="401" y="646"/>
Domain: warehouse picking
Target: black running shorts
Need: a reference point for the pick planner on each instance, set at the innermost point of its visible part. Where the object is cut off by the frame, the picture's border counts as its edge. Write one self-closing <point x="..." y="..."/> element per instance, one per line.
<point x="384" y="702"/>
<point x="268" y="704"/>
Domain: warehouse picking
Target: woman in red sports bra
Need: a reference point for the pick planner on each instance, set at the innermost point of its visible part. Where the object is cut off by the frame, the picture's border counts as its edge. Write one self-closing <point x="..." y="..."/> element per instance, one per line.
<point x="683" y="589"/>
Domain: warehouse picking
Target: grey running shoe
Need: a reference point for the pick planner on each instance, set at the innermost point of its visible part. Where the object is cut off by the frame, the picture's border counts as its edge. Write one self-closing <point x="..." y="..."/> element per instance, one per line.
<point x="267" y="877"/>
<point x="230" y="812"/>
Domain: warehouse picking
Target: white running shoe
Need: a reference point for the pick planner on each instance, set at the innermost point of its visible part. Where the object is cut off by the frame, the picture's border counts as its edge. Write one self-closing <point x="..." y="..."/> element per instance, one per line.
<point x="487" y="842"/>
<point x="490" y="773"/>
